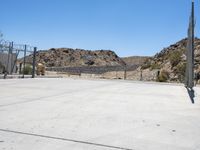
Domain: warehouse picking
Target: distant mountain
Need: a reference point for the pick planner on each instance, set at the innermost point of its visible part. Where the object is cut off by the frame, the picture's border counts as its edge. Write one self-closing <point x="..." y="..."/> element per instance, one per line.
<point x="134" y="60"/>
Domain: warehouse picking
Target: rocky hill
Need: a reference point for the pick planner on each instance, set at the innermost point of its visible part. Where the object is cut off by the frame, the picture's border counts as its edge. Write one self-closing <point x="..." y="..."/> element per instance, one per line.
<point x="167" y="65"/>
<point x="67" y="57"/>
<point x="170" y="63"/>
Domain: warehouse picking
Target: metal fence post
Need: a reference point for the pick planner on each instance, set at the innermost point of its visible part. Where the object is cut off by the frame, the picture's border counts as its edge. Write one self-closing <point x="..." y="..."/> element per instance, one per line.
<point x="189" y="79"/>
<point x="11" y="62"/>
<point x="125" y="72"/>
<point x="34" y="60"/>
<point x="8" y="60"/>
<point x="24" y="65"/>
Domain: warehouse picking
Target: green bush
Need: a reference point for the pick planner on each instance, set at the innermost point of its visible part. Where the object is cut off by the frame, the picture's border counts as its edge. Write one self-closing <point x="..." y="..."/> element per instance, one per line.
<point x="1" y="65"/>
<point x="146" y="65"/>
<point x="180" y="68"/>
<point x="27" y="70"/>
<point x="155" y="66"/>
<point x="175" y="58"/>
<point x="150" y="64"/>
<point x="2" y="68"/>
<point x="163" y="76"/>
<point x="180" y="71"/>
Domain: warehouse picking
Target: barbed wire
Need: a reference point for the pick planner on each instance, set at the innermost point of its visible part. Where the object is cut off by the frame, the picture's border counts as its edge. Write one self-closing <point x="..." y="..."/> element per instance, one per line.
<point x="7" y="45"/>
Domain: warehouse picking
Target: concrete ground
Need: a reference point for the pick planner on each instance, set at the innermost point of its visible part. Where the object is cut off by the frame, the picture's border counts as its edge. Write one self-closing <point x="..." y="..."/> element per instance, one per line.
<point x="77" y="114"/>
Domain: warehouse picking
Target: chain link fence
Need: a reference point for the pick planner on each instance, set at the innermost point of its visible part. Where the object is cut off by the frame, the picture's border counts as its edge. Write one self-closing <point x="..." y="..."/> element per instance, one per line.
<point x="13" y="60"/>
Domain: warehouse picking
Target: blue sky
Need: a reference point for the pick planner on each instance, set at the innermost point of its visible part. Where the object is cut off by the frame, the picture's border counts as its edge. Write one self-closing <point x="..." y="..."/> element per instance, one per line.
<point x="129" y="27"/>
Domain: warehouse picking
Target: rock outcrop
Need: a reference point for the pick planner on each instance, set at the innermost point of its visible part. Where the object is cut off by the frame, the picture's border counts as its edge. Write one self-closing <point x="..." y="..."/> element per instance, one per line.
<point x="170" y="63"/>
<point x="67" y="57"/>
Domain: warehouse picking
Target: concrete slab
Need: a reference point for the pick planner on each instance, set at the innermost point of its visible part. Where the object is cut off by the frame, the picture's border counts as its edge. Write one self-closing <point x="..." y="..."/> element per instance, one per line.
<point x="77" y="114"/>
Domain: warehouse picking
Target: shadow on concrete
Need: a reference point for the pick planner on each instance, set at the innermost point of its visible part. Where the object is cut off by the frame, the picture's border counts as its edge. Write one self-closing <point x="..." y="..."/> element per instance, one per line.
<point x="191" y="94"/>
